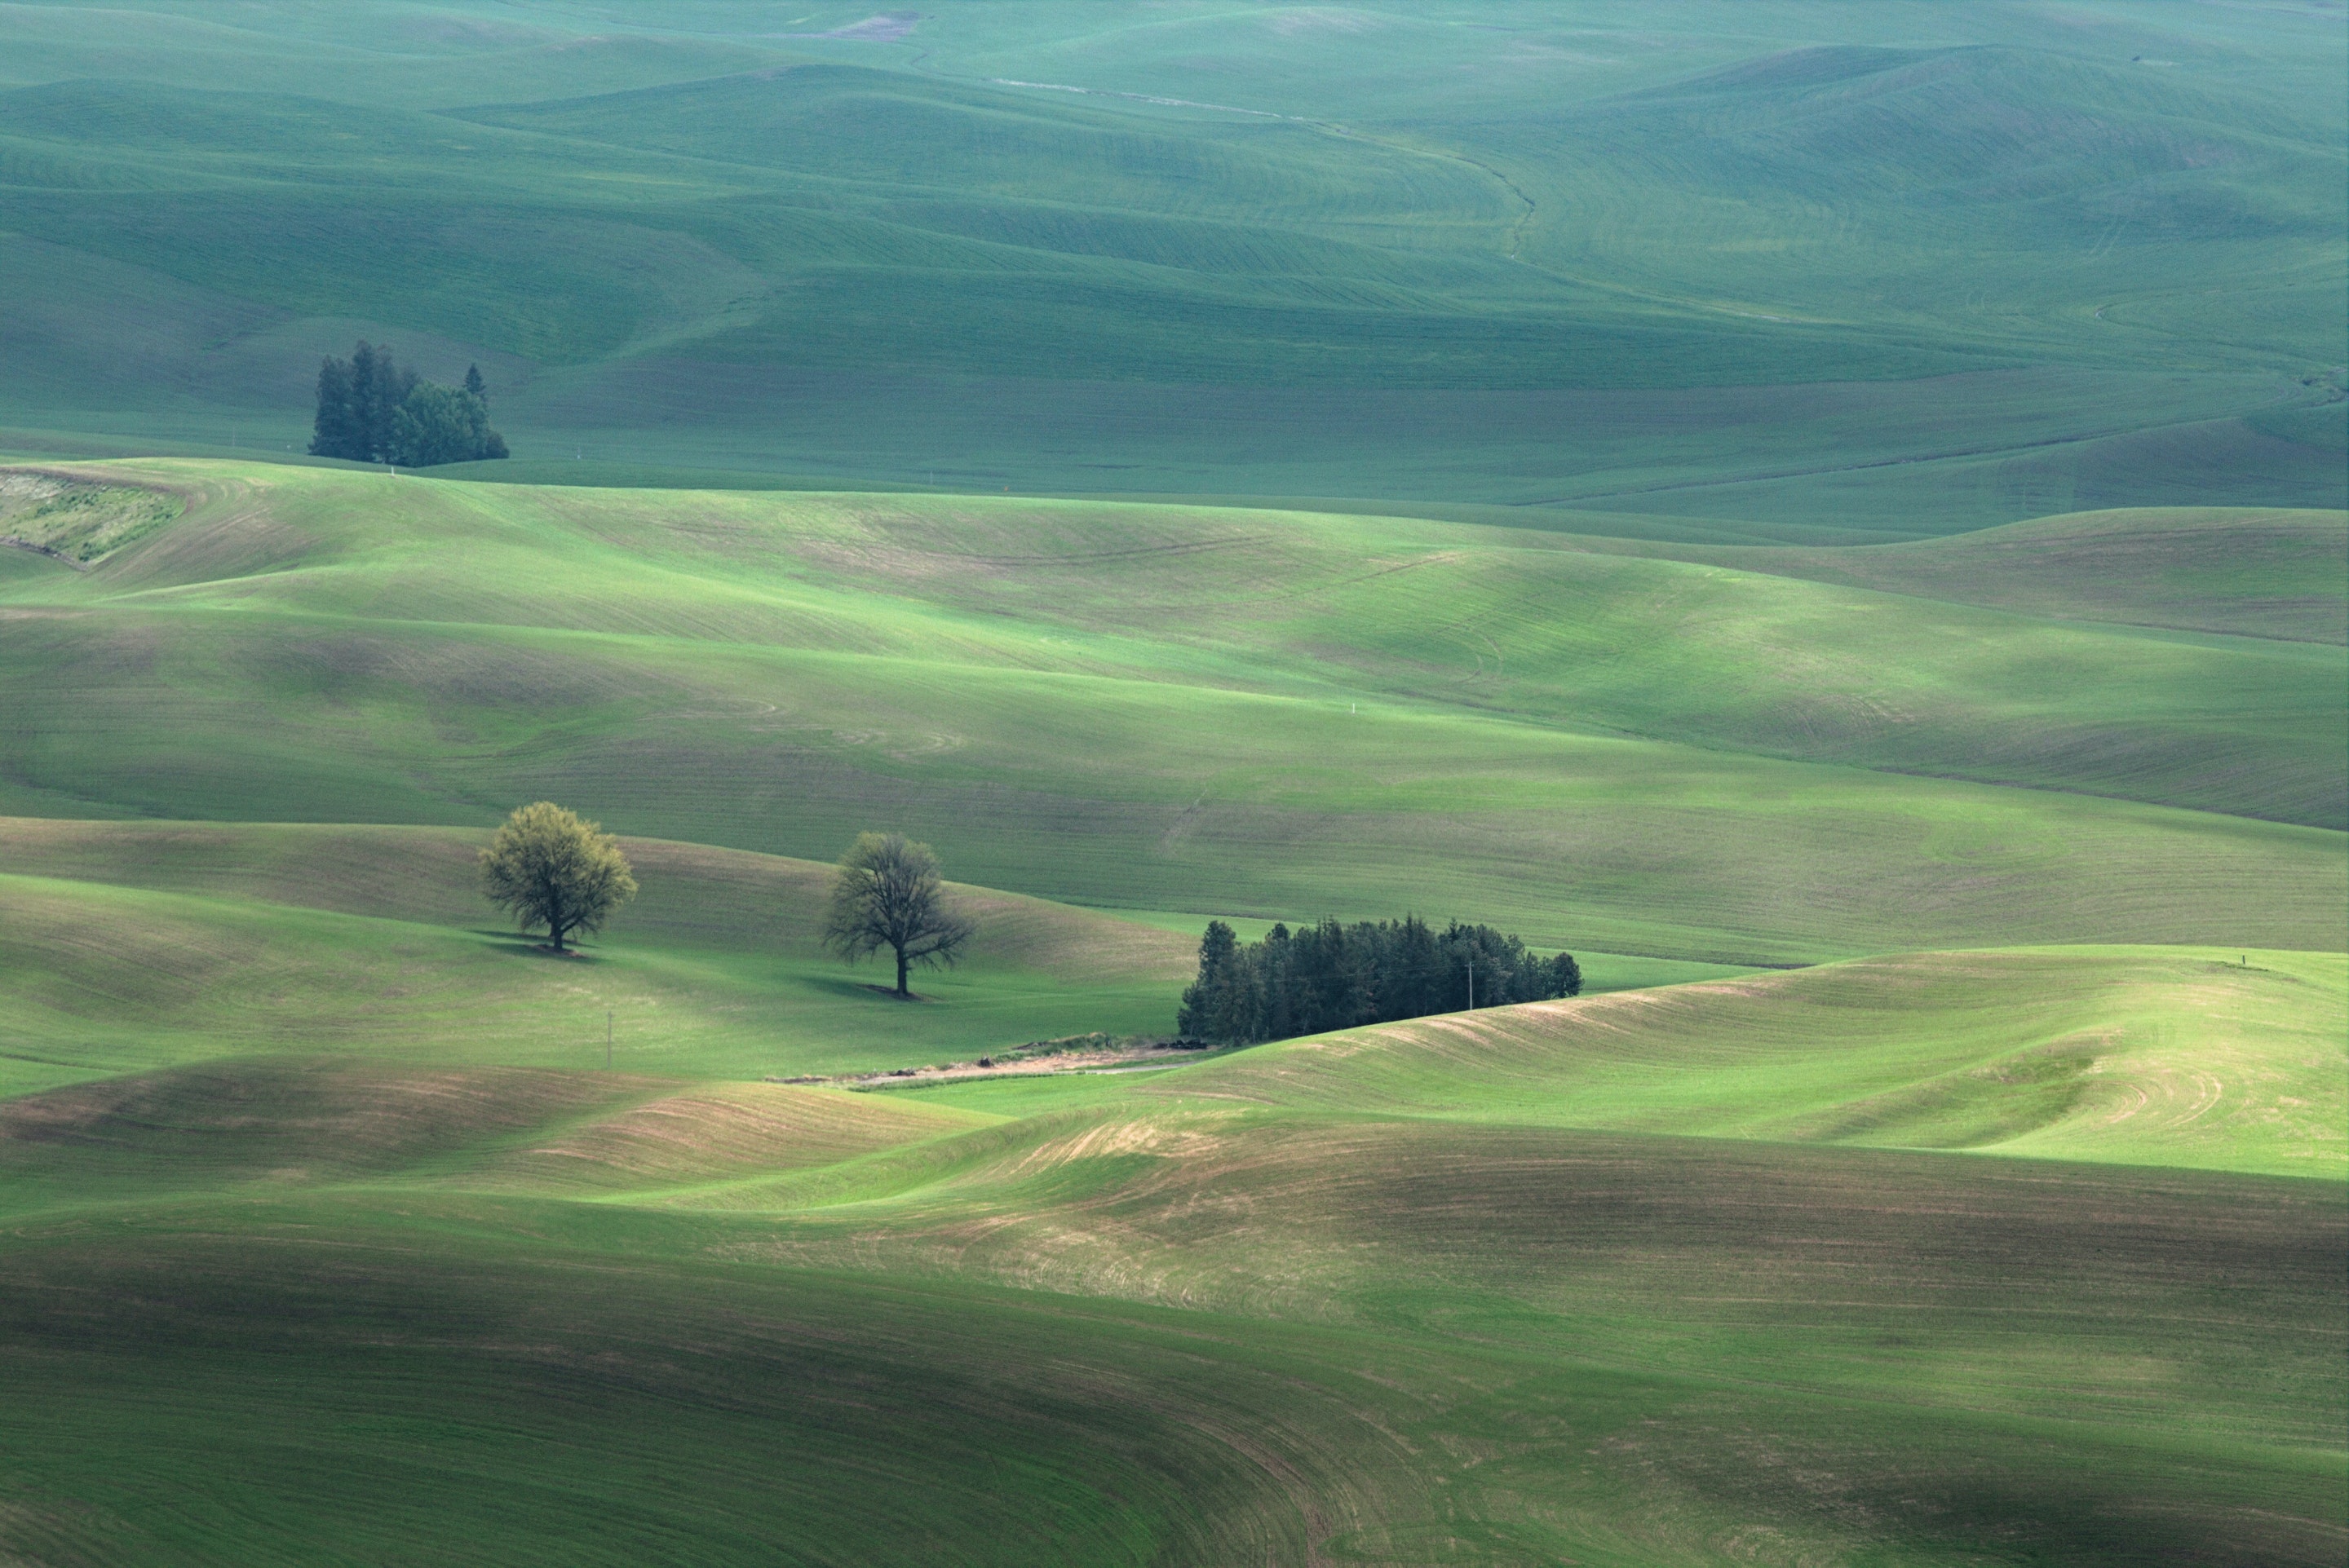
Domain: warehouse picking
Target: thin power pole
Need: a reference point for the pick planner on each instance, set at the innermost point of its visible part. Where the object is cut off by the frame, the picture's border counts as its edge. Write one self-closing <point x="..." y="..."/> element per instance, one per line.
<point x="608" y="1039"/>
<point x="1472" y="979"/>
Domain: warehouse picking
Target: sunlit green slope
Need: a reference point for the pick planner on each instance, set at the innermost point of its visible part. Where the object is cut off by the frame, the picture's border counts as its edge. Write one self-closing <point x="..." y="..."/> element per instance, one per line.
<point x="2232" y="571"/>
<point x="1363" y="1298"/>
<point x="2138" y="1056"/>
<point x="1173" y="708"/>
<point x="133" y="947"/>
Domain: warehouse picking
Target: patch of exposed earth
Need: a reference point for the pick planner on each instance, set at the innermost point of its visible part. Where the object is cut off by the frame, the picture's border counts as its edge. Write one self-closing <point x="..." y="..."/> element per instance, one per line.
<point x="1076" y="1053"/>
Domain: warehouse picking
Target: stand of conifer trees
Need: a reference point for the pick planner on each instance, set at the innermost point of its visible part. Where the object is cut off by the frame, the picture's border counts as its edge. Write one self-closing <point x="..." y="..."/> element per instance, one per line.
<point x="1333" y="976"/>
<point x="372" y="411"/>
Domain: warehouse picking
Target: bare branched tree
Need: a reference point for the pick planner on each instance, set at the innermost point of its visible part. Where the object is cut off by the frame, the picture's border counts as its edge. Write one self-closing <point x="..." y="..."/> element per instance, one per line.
<point x="888" y="893"/>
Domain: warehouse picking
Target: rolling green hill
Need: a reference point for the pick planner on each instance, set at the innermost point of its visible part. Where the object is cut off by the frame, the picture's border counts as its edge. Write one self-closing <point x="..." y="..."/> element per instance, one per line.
<point x="136" y="945"/>
<point x="1167" y="708"/>
<point x="2136" y="1056"/>
<point x="1834" y="515"/>
<point x="1363" y="1295"/>
<point x="2237" y="572"/>
<point x="1893" y="276"/>
<point x="324" y="1219"/>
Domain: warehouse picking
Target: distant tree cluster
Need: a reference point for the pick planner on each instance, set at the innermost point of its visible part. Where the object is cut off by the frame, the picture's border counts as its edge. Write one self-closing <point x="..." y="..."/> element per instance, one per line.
<point x="547" y="867"/>
<point x="1333" y="976"/>
<point x="372" y="411"/>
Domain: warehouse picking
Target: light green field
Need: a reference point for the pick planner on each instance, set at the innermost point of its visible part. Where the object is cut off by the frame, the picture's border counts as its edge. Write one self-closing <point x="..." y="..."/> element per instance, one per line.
<point x="2232" y="571"/>
<point x="719" y="977"/>
<point x="1272" y="715"/>
<point x="136" y="945"/>
<point x="2135" y="1056"/>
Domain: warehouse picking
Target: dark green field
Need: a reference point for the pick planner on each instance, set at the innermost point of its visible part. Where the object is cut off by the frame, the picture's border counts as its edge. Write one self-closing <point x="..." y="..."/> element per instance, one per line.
<point x="1892" y="272"/>
<point x="1834" y="516"/>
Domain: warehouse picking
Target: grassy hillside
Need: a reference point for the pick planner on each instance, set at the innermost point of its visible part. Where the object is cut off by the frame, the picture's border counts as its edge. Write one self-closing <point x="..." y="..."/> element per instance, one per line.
<point x="2138" y="1056"/>
<point x="2231" y="571"/>
<point x="342" y="1238"/>
<point x="1170" y="708"/>
<point x="1900" y="274"/>
<point x="367" y="942"/>
<point x="1119" y="706"/>
<point x="1267" y="1308"/>
<point x="463" y="1386"/>
<point x="1831" y="514"/>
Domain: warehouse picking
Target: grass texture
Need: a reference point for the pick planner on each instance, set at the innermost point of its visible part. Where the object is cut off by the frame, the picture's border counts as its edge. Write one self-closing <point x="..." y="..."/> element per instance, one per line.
<point x="2135" y="1056"/>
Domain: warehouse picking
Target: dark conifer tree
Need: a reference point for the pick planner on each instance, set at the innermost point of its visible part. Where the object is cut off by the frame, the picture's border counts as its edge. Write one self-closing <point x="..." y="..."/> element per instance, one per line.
<point x="337" y="433"/>
<point x="1204" y="1003"/>
<point x="1277" y="1002"/>
<point x="379" y="386"/>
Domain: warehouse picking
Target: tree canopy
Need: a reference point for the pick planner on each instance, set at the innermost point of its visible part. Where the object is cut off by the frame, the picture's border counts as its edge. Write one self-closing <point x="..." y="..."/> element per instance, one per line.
<point x="889" y="893"/>
<point x="1333" y="976"/>
<point x="371" y="410"/>
<point x="548" y="867"/>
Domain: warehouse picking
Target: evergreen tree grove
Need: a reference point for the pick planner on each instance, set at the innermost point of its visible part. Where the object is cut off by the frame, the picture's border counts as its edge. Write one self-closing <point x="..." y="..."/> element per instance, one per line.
<point x="372" y="411"/>
<point x="1334" y="977"/>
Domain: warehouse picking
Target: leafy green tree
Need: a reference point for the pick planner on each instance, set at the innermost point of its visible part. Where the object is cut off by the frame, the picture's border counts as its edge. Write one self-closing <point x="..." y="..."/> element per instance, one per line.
<point x="1565" y="975"/>
<point x="439" y="424"/>
<point x="888" y="892"/>
<point x="548" y="867"/>
<point x="475" y="387"/>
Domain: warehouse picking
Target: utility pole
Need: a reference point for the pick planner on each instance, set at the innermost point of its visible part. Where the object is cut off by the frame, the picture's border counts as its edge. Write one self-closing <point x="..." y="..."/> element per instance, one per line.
<point x="1472" y="979"/>
<point x="608" y="1039"/>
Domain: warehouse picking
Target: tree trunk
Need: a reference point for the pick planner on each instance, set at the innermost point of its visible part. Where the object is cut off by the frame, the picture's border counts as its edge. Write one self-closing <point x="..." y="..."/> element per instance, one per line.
<point x="556" y="932"/>
<point x="901" y="975"/>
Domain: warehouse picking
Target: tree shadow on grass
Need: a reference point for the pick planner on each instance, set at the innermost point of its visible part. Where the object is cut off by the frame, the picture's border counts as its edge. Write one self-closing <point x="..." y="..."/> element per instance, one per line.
<point x="858" y="990"/>
<point x="519" y="947"/>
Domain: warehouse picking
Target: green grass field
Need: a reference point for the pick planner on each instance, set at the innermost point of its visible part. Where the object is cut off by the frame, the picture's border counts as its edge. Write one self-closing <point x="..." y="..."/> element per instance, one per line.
<point x="1229" y="1310"/>
<point x="2007" y="1232"/>
<point x="1834" y="516"/>
<point x="1278" y="715"/>
<point x="1886" y="275"/>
